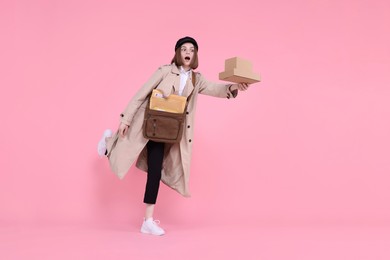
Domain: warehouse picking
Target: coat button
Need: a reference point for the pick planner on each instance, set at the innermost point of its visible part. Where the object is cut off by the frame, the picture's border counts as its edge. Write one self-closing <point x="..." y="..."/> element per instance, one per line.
<point x="187" y="113"/>
<point x="190" y="140"/>
<point x="188" y="126"/>
<point x="122" y="115"/>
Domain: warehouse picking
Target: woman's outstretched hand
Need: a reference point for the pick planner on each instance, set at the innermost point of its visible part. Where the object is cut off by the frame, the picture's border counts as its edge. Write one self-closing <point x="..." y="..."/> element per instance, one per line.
<point x="123" y="129"/>
<point x="240" y="86"/>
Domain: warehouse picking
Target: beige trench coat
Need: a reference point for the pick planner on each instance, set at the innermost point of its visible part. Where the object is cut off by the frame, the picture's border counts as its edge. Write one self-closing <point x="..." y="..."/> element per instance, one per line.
<point x="123" y="152"/>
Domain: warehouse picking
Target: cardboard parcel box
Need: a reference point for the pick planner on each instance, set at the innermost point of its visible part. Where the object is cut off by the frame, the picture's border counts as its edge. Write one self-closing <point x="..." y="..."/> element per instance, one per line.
<point x="238" y="70"/>
<point x="172" y="103"/>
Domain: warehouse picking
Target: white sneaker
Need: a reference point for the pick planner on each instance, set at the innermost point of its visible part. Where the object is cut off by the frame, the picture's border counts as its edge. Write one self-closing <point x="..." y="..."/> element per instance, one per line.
<point x="150" y="226"/>
<point x="102" y="145"/>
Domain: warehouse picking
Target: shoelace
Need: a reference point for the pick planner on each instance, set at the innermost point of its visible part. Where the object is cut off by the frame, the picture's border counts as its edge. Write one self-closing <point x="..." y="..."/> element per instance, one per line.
<point x="157" y="222"/>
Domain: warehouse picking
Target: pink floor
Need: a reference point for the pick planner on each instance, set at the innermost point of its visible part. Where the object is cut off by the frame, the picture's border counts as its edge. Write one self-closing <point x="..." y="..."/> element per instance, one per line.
<point x="251" y="241"/>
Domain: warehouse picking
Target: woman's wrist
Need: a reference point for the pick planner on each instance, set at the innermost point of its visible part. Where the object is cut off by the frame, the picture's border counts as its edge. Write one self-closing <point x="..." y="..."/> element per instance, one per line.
<point x="124" y="124"/>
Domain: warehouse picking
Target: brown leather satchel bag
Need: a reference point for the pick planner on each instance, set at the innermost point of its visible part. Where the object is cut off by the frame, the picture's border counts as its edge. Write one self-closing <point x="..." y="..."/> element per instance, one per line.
<point x="163" y="126"/>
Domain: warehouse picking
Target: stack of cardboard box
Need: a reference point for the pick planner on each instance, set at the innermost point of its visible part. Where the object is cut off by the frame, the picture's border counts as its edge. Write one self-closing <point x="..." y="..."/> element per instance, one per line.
<point x="239" y="70"/>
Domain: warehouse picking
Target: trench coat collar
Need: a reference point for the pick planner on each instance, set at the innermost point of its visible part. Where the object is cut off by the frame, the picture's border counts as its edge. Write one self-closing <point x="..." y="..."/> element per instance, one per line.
<point x="175" y="69"/>
<point x="189" y="86"/>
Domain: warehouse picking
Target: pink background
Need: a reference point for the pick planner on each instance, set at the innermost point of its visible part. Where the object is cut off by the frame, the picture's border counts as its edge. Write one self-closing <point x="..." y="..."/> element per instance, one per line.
<point x="308" y="146"/>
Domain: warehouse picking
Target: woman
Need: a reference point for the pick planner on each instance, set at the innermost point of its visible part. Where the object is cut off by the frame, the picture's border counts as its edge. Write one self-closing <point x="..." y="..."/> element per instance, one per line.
<point x="169" y="163"/>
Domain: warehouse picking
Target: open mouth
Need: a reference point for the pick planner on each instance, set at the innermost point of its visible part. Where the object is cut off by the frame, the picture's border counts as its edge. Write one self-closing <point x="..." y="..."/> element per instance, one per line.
<point x="187" y="58"/>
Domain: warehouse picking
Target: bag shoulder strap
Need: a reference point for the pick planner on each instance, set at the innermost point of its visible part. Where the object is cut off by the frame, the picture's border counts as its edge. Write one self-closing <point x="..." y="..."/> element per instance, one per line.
<point x="193" y="84"/>
<point x="193" y="78"/>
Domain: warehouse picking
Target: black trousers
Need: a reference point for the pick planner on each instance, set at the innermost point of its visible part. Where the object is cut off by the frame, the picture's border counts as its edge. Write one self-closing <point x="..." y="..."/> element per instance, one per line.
<point x="155" y="159"/>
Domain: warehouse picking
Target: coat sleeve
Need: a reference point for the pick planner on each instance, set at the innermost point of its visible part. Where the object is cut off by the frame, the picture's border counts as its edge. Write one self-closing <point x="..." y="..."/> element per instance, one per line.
<point x="137" y="100"/>
<point x="215" y="89"/>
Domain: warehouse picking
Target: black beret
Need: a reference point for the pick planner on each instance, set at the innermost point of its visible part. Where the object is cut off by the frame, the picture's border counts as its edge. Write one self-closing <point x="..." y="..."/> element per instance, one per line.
<point x="186" y="39"/>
